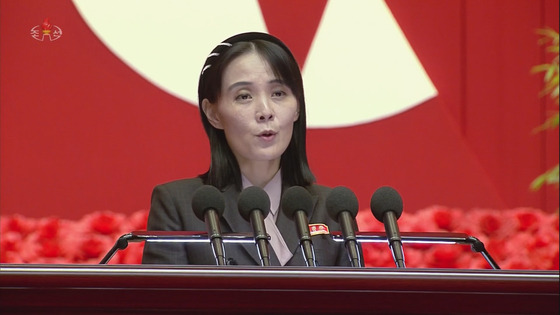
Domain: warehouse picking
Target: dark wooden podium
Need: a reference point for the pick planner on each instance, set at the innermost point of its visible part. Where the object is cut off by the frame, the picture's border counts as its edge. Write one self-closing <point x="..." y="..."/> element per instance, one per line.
<point x="133" y="289"/>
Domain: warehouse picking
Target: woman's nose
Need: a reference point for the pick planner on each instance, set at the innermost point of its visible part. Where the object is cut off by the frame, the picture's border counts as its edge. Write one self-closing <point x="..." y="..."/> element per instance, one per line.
<point x="264" y="112"/>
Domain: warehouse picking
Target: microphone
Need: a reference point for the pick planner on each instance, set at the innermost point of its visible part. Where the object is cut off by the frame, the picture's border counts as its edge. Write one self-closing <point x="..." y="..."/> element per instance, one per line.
<point x="387" y="206"/>
<point x="254" y="206"/>
<point x="208" y="205"/>
<point x="297" y="204"/>
<point x="342" y="206"/>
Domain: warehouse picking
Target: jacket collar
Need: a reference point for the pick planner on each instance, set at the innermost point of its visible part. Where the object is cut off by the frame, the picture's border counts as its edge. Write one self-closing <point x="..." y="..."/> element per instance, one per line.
<point x="286" y="225"/>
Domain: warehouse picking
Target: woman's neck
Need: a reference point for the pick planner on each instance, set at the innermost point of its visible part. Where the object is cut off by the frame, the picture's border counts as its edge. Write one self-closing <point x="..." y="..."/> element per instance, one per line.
<point x="260" y="173"/>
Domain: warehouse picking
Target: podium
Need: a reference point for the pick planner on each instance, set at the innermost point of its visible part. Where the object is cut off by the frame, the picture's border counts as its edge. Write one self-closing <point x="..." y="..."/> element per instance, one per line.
<point x="158" y="289"/>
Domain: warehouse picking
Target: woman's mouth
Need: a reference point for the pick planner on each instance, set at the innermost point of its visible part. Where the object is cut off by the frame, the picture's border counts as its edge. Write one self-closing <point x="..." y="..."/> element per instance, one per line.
<point x="267" y="135"/>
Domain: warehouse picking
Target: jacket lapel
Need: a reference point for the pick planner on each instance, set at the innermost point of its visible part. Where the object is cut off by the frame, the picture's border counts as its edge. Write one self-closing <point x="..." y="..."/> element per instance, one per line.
<point x="235" y="222"/>
<point x="287" y="226"/>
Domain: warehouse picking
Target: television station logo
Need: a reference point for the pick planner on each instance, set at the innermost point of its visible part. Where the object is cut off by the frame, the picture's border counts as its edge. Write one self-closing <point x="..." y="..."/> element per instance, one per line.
<point x="46" y="30"/>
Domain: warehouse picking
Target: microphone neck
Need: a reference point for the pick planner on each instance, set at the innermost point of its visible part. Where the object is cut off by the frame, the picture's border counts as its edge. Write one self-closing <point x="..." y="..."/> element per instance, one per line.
<point x="391" y="226"/>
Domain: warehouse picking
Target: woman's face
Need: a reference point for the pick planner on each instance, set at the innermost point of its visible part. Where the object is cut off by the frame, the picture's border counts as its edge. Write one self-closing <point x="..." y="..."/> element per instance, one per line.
<point x="256" y="110"/>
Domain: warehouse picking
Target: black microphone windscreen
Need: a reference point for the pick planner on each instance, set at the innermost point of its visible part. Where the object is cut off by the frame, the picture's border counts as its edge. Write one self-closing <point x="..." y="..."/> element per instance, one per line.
<point x="386" y="199"/>
<point x="296" y="198"/>
<point x="253" y="198"/>
<point x="342" y="199"/>
<point x="207" y="197"/>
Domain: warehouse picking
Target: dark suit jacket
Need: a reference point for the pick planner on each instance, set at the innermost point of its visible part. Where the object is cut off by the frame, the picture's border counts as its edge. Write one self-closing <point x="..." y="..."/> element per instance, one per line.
<point x="171" y="211"/>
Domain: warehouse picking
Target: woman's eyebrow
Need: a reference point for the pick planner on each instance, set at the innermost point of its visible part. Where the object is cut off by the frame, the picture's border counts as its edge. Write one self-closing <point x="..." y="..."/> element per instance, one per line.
<point x="246" y="83"/>
<point x="237" y="84"/>
<point x="279" y="81"/>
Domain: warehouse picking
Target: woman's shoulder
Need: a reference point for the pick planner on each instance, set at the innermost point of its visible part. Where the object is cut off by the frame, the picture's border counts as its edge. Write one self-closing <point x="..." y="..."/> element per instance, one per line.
<point x="183" y="185"/>
<point x="317" y="189"/>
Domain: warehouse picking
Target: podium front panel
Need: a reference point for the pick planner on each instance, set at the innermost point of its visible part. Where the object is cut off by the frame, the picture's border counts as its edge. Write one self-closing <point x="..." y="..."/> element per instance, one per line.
<point x="121" y="289"/>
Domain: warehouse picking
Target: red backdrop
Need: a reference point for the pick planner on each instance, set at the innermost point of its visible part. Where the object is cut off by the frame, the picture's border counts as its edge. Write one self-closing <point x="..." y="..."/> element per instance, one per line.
<point x="80" y="131"/>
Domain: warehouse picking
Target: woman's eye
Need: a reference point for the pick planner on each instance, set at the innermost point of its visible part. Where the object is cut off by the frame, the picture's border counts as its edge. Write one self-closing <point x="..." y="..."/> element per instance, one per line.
<point x="278" y="93"/>
<point x="243" y="97"/>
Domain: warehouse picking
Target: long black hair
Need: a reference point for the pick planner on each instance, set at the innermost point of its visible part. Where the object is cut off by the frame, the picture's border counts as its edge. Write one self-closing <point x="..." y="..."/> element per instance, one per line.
<point x="224" y="169"/>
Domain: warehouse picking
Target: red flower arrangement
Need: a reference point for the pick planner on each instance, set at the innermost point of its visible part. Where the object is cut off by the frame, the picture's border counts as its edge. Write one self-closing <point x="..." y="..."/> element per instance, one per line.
<point x="57" y="241"/>
<point x="522" y="238"/>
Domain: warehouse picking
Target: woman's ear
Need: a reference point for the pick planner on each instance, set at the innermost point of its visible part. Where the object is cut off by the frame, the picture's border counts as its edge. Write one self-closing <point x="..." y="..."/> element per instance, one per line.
<point x="296" y="114"/>
<point x="211" y="113"/>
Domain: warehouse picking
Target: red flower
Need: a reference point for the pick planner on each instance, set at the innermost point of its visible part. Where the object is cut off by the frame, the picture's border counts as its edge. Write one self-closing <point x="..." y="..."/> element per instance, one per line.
<point x="131" y="255"/>
<point x="526" y="220"/>
<point x="414" y="258"/>
<point x="48" y="228"/>
<point x="446" y="219"/>
<point x="377" y="255"/>
<point x="517" y="262"/>
<point x="105" y="222"/>
<point x="49" y="248"/>
<point x="95" y="246"/>
<point x="490" y="223"/>
<point x="555" y="222"/>
<point x="367" y="223"/>
<point x="10" y="257"/>
<point x="555" y="260"/>
<point x="138" y="221"/>
<point x="10" y="242"/>
<point x="522" y="238"/>
<point x="18" y="224"/>
<point x="496" y="248"/>
<point x="444" y="256"/>
<point x="472" y="261"/>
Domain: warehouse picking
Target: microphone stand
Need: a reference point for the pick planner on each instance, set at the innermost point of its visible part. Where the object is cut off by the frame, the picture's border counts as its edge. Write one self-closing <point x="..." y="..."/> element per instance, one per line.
<point x="477" y="245"/>
<point x="361" y="237"/>
<point x="171" y="237"/>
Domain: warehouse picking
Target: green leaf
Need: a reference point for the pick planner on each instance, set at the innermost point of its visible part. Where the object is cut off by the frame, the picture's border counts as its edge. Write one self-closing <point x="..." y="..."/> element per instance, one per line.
<point x="552" y="49"/>
<point x="550" y="123"/>
<point x="554" y="94"/>
<point x="548" y="34"/>
<point x="549" y="177"/>
<point x="548" y="37"/>
<point x="540" y="68"/>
